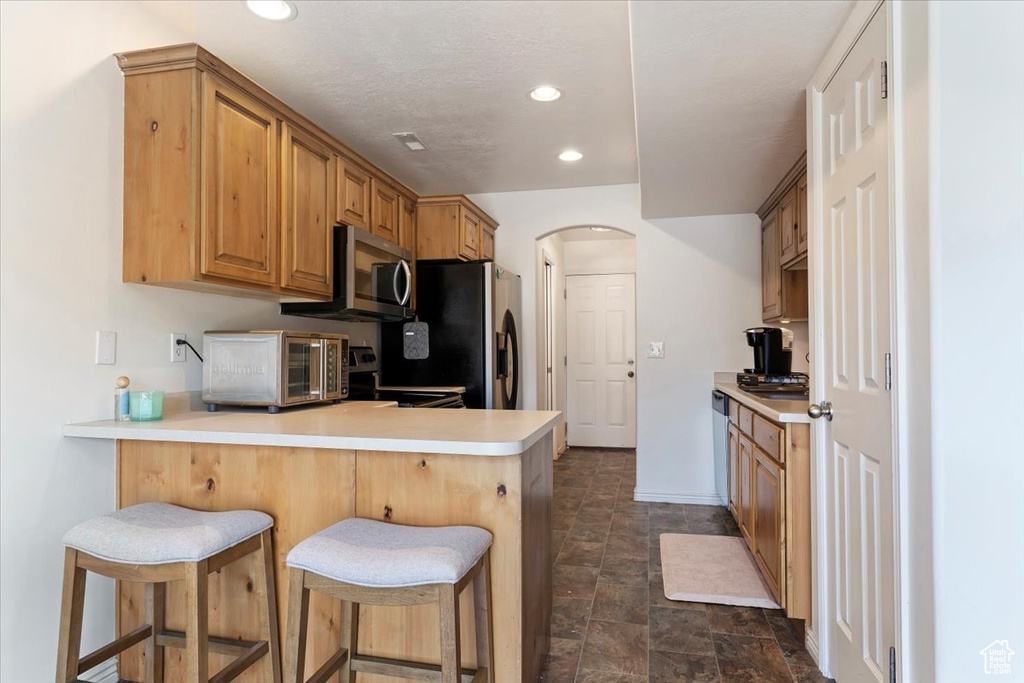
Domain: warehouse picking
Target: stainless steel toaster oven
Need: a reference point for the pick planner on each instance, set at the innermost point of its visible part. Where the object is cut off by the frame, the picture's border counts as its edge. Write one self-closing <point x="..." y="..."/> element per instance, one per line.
<point x="274" y="368"/>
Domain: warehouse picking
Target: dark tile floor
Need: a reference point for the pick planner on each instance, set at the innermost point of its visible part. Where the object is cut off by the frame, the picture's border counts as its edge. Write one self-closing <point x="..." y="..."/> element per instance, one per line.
<point x="611" y="622"/>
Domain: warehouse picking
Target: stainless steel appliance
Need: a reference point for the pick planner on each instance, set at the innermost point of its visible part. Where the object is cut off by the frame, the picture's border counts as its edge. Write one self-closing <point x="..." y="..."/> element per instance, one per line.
<point x="372" y="281"/>
<point x="472" y="313"/>
<point x="720" y="425"/>
<point x="274" y="368"/>
<point x="364" y="385"/>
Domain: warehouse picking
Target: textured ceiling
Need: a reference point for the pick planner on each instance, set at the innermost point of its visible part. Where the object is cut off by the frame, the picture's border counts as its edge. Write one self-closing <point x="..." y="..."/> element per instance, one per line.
<point x="719" y="95"/>
<point x="718" y="87"/>
<point x="458" y="74"/>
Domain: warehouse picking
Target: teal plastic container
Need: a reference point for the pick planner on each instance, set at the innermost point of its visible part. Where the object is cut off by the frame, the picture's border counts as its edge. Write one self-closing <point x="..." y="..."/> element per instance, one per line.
<point x="147" y="406"/>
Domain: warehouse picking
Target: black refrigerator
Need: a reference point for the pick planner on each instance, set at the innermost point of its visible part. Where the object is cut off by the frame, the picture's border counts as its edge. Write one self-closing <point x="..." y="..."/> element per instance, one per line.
<point x="472" y="311"/>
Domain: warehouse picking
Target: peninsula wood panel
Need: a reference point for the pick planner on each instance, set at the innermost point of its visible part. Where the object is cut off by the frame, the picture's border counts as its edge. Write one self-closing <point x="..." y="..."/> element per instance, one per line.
<point x="510" y="497"/>
<point x="304" y="490"/>
<point x="307" y="207"/>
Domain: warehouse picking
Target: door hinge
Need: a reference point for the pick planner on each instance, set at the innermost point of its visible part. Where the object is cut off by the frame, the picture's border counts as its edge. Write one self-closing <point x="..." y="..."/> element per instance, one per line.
<point x="892" y="665"/>
<point x="565" y="293"/>
<point x="565" y="361"/>
<point x="888" y="372"/>
<point x="885" y="80"/>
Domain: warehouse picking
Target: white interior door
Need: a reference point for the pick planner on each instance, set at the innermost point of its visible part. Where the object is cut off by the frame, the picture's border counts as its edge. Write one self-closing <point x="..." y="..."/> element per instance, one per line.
<point x="600" y="350"/>
<point x="857" y="334"/>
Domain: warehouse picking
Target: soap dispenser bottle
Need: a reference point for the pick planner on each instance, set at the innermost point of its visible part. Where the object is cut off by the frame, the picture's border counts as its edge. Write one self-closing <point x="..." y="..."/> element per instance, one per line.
<point x="122" y="411"/>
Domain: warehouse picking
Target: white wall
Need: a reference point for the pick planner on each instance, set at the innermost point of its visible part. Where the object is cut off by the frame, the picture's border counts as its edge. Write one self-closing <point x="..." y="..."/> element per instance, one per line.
<point x="596" y="257"/>
<point x="61" y="119"/>
<point x="698" y="288"/>
<point x="977" y="234"/>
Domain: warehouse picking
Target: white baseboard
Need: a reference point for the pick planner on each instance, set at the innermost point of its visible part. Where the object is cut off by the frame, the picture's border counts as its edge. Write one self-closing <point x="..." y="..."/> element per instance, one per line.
<point x="811" y="642"/>
<point x="667" y="497"/>
<point x="102" y="673"/>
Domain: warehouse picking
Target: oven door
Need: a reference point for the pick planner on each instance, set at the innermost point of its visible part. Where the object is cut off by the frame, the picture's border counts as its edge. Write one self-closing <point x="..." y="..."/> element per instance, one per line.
<point x="302" y="369"/>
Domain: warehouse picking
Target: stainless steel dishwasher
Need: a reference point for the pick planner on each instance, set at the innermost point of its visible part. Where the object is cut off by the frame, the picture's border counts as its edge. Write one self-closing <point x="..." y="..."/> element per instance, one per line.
<point x="720" y="423"/>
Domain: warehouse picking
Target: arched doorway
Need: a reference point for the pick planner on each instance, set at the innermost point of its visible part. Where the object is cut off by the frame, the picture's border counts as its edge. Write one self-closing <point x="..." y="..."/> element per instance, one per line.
<point x="586" y="334"/>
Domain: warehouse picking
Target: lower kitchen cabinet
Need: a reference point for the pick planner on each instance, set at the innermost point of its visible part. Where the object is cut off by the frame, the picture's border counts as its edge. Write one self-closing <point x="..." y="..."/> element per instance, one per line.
<point x="769" y="497"/>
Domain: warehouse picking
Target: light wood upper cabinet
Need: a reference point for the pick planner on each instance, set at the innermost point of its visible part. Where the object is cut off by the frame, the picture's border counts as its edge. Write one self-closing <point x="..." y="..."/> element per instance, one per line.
<point x="452" y="227"/>
<point x="239" y="225"/>
<point x="407" y="225"/>
<point x="469" y="235"/>
<point x="784" y="248"/>
<point x="353" y="201"/>
<point x="384" y="211"/>
<point x="308" y="189"/>
<point x="788" y="225"/>
<point x="801" y="215"/>
<point x="227" y="189"/>
<point x="771" y="274"/>
<point x="768" y="502"/>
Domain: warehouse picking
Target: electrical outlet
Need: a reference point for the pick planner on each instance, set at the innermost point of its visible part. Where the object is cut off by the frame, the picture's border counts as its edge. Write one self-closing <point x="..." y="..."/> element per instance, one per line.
<point x="106" y="348"/>
<point x="655" y="349"/>
<point x="178" y="352"/>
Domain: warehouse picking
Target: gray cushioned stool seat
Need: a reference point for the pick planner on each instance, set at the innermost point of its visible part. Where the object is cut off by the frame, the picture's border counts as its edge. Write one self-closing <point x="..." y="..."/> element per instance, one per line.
<point x="369" y="553"/>
<point x="159" y="533"/>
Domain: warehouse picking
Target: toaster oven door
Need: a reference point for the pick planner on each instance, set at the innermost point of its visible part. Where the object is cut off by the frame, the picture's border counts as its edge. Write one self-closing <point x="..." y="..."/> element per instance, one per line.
<point x="302" y="369"/>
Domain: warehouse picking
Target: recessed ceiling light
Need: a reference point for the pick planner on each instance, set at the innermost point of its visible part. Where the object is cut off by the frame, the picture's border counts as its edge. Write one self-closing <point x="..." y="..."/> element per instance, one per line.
<point x="275" y="10"/>
<point x="570" y="155"/>
<point x="545" y="93"/>
<point x="411" y="141"/>
<point x="597" y="229"/>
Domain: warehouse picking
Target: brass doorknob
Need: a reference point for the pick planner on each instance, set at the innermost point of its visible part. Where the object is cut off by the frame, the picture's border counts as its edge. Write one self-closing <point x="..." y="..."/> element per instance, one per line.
<point x="824" y="409"/>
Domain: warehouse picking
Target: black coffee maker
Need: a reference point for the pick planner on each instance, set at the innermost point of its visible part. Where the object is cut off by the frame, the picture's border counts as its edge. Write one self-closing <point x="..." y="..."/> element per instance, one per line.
<point x="773" y="350"/>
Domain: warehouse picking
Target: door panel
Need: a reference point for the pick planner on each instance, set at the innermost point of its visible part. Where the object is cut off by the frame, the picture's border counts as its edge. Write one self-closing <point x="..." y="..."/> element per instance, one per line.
<point x="239" y="169"/>
<point x="771" y="273"/>
<point x="768" y="501"/>
<point x="734" y="471"/>
<point x="385" y="211"/>
<point x="600" y="343"/>
<point x="353" y="200"/>
<point x="788" y="225"/>
<point x="746" y="503"/>
<point x="307" y="203"/>
<point x="857" y="335"/>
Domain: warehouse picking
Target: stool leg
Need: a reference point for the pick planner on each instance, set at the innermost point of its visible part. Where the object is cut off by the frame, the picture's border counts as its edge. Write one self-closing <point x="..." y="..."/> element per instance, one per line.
<point x="197" y="659"/>
<point x="451" y="661"/>
<point x="266" y="594"/>
<point x="484" y="625"/>
<point x="295" y="638"/>
<point x="69" y="640"/>
<point x="349" y="638"/>
<point x="156" y="604"/>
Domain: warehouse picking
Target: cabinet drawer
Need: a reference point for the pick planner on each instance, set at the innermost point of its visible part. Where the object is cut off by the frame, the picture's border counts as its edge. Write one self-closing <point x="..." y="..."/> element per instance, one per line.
<point x="768" y="436"/>
<point x="746" y="421"/>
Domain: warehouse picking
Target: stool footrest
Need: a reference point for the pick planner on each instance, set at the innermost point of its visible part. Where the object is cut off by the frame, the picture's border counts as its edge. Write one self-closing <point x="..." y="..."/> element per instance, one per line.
<point x="247" y="659"/>
<point x="110" y="649"/>
<point x="416" y="671"/>
<point x="221" y="646"/>
<point x="323" y="674"/>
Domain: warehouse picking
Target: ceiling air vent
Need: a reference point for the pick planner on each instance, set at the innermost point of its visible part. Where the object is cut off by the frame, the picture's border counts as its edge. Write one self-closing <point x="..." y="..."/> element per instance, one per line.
<point x="411" y="141"/>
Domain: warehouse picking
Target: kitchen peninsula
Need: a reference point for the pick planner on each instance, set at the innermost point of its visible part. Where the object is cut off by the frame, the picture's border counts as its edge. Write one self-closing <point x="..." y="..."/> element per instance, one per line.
<point x="311" y="467"/>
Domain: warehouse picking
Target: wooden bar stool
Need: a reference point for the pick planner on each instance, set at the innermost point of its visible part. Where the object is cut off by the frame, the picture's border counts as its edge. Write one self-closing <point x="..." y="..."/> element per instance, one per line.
<point x="154" y="543"/>
<point x="363" y="561"/>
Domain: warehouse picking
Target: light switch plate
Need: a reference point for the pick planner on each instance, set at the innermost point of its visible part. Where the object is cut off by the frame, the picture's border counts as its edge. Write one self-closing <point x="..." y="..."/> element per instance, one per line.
<point x="655" y="349"/>
<point x="106" y="348"/>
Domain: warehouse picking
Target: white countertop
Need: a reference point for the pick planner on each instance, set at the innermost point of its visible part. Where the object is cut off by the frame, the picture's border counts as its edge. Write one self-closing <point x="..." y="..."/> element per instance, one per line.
<point x="777" y="409"/>
<point x="355" y="425"/>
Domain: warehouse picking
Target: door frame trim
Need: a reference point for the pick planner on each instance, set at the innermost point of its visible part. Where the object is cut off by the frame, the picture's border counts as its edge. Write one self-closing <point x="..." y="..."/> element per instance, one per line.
<point x="818" y="638"/>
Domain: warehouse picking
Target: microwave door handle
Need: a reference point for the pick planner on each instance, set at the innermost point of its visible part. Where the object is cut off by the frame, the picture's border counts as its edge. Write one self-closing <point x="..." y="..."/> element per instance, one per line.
<point x="408" y="282"/>
<point x="394" y="283"/>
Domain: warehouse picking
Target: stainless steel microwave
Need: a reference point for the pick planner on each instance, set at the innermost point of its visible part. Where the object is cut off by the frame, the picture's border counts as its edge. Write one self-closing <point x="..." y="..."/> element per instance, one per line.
<point x="274" y="368"/>
<point x="372" y="281"/>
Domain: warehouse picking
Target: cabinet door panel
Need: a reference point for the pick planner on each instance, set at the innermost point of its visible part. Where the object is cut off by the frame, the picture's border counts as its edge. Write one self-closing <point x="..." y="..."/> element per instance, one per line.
<point x="239" y="171"/>
<point x="307" y="203"/>
<point x="768" y="500"/>
<point x="771" y="272"/>
<point x="469" y="235"/>
<point x="801" y="216"/>
<point x="384" y="213"/>
<point x="487" y="248"/>
<point x="354" y="199"/>
<point x="788" y="225"/>
<point x="734" y="472"/>
<point x="746" y="507"/>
